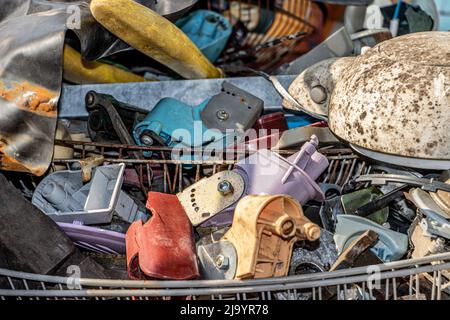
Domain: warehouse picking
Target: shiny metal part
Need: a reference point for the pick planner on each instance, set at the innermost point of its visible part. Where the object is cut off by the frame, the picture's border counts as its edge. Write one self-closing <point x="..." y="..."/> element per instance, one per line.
<point x="431" y="185"/>
<point x="217" y="260"/>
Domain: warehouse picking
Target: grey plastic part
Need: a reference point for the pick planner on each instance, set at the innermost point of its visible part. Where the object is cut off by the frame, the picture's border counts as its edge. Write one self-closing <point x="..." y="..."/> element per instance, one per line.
<point x="355" y="14"/>
<point x="391" y="245"/>
<point x="239" y="109"/>
<point x="416" y="163"/>
<point x="208" y="256"/>
<point x="434" y="224"/>
<point x="339" y="44"/>
<point x="297" y="136"/>
<point x="424" y="201"/>
<point x="329" y="211"/>
<point x="354" y="17"/>
<point x="64" y="198"/>
<point x="128" y="210"/>
<point x="54" y="200"/>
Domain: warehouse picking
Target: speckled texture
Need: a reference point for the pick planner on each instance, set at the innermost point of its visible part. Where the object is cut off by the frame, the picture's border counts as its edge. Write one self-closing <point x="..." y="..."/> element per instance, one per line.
<point x="325" y="73"/>
<point x="395" y="98"/>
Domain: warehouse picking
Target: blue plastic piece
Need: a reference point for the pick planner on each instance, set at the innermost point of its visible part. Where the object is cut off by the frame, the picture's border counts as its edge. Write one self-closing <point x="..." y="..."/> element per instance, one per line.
<point x="182" y="117"/>
<point x="214" y="124"/>
<point x="299" y="121"/>
<point x="444" y="14"/>
<point x="209" y="31"/>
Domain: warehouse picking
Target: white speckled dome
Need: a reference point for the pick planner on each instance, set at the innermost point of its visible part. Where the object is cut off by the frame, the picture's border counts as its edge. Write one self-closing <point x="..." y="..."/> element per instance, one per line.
<point x="395" y="98"/>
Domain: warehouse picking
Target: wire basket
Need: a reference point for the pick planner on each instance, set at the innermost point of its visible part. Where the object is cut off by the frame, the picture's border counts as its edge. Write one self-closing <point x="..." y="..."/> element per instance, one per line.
<point x="415" y="279"/>
<point x="423" y="278"/>
<point x="273" y="28"/>
<point x="343" y="163"/>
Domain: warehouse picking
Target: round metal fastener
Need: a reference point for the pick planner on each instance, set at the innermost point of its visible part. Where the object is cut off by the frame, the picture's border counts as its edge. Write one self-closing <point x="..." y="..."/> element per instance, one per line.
<point x="222" y="115"/>
<point x="225" y="187"/>
<point x="222" y="262"/>
<point x="147" y="140"/>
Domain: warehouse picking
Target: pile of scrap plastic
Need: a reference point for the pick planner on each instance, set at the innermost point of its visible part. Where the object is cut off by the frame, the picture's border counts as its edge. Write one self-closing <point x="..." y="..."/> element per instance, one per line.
<point x="119" y="138"/>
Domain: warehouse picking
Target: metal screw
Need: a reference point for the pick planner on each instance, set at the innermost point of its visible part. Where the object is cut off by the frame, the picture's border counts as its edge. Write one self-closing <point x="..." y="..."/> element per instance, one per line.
<point x="222" y="115"/>
<point x="90" y="98"/>
<point x="225" y="187"/>
<point x="147" y="140"/>
<point x="222" y="262"/>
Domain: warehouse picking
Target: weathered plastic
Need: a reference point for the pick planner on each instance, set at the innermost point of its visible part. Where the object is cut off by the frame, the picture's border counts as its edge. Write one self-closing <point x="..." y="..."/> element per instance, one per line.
<point x="215" y="121"/>
<point x="206" y="198"/>
<point x="391" y="245"/>
<point x="394" y="99"/>
<point x="442" y="198"/>
<point x="155" y="36"/>
<point x="208" y="30"/>
<point x="95" y="239"/>
<point x="266" y="172"/>
<point x="64" y="198"/>
<point x="164" y="247"/>
<point x="264" y="229"/>
<point x="314" y="87"/>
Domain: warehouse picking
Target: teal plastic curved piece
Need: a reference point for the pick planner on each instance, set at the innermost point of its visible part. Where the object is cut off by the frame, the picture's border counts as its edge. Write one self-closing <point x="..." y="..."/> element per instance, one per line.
<point x="391" y="245"/>
<point x="209" y="31"/>
<point x="176" y="122"/>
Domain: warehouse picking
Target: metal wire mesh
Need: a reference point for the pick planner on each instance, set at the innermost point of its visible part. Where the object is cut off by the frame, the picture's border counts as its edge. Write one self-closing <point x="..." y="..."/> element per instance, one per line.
<point x="268" y="21"/>
<point x="391" y="281"/>
<point x="424" y="278"/>
<point x="343" y="163"/>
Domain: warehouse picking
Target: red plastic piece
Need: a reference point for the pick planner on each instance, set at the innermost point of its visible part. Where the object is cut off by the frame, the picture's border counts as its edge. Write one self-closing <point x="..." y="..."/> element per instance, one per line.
<point x="164" y="247"/>
<point x="272" y="121"/>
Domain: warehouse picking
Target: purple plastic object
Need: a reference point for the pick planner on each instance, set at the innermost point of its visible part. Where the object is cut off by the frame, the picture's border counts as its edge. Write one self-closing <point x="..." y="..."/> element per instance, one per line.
<point x="267" y="172"/>
<point x="95" y="239"/>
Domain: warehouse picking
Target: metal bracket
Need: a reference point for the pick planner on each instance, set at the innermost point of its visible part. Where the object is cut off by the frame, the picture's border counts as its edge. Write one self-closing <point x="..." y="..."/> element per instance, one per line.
<point x="430" y="185"/>
<point x="217" y="260"/>
<point x="209" y="196"/>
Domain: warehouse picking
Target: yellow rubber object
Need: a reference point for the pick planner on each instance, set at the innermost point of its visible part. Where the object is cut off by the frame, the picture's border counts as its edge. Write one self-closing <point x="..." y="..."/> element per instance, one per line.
<point x="78" y="71"/>
<point x="155" y="36"/>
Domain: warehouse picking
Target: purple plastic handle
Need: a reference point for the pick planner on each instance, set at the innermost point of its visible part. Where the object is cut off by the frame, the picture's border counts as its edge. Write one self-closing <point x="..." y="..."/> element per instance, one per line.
<point x="267" y="172"/>
<point x="95" y="239"/>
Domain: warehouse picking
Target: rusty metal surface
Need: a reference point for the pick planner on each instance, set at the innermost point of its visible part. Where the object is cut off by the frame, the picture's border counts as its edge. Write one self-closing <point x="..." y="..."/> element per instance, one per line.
<point x="395" y="98"/>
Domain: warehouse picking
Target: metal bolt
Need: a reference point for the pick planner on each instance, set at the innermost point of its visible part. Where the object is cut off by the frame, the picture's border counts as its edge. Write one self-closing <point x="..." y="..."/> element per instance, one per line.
<point x="222" y="115"/>
<point x="147" y="140"/>
<point x="225" y="187"/>
<point x="90" y="98"/>
<point x="318" y="94"/>
<point x="222" y="262"/>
